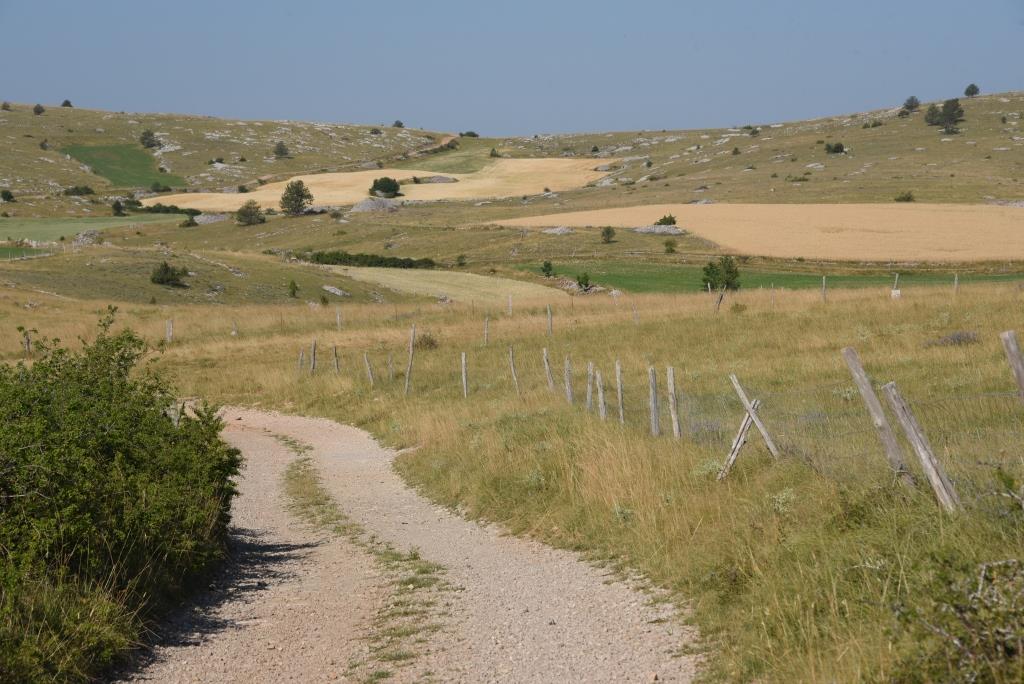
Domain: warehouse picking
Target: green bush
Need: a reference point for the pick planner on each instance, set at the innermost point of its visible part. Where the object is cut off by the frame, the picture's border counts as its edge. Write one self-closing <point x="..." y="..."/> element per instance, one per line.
<point x="398" y="124"/>
<point x="339" y="258"/>
<point x="66" y="103"/>
<point x="157" y="186"/>
<point x="250" y="214"/>
<point x="148" y="139"/>
<point x="79" y="190"/>
<point x="6" y="195"/>
<point x="385" y="187"/>
<point x="547" y="270"/>
<point x="165" y="274"/>
<point x="469" y="134"/>
<point x="583" y="281"/>
<point x="111" y="508"/>
<point x="835" y="148"/>
<point x="296" y="198"/>
<point x="911" y="104"/>
<point x="666" y="220"/>
<point x="670" y="246"/>
<point x="723" y="274"/>
<point x="972" y="90"/>
<point x="5" y="106"/>
<point x="907" y="196"/>
<point x="607" y="234"/>
<point x="280" y="150"/>
<point x="38" y="109"/>
<point x="117" y="208"/>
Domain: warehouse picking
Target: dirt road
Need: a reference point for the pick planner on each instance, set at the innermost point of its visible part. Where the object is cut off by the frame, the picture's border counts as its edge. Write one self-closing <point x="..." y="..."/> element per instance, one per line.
<point x="298" y="605"/>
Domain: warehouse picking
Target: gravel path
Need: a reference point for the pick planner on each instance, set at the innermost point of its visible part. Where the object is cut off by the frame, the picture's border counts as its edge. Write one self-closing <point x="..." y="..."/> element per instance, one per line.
<point x="292" y="605"/>
<point x="522" y="612"/>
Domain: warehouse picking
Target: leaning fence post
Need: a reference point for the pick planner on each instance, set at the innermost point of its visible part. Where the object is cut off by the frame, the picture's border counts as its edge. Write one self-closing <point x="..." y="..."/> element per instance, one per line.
<point x="590" y="385"/>
<point x="412" y="351"/>
<point x="769" y="442"/>
<point x="673" y="407"/>
<point x="737" y="444"/>
<point x="568" y="380"/>
<point x="312" y="358"/>
<point x="652" y="381"/>
<point x="234" y="328"/>
<point x="487" y="329"/>
<point x="369" y="369"/>
<point x="618" y="391"/>
<point x="465" y="378"/>
<point x="547" y="371"/>
<point x="892" y="447"/>
<point x="337" y="364"/>
<point x="170" y="330"/>
<point x="512" y="367"/>
<point x="1013" y="355"/>
<point x="551" y="329"/>
<point x="933" y="470"/>
<point x="602" y="408"/>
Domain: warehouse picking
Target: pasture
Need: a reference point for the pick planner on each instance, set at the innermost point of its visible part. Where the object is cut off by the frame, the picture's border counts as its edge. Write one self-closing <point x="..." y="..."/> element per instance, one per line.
<point x="125" y="166"/>
<point x="53" y="229"/>
<point x="460" y="287"/>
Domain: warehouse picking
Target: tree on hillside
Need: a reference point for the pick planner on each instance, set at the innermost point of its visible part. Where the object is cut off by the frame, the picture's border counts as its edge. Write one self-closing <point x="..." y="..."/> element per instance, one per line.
<point x="666" y="220"/>
<point x="6" y="195"/>
<point x="398" y="124"/>
<point x="385" y="187"/>
<point x="951" y="114"/>
<point x="117" y="208"/>
<point x="547" y="270"/>
<point x="933" y="115"/>
<point x="250" y="214"/>
<point x="148" y="139"/>
<point x="293" y="289"/>
<point x="38" y="109"/>
<point x="280" y="150"/>
<point x="66" y="103"/>
<point x="972" y="90"/>
<point x="911" y="104"/>
<point x="607" y="235"/>
<point x="723" y="274"/>
<point x="5" y="106"/>
<point x="165" y="274"/>
<point x="296" y="198"/>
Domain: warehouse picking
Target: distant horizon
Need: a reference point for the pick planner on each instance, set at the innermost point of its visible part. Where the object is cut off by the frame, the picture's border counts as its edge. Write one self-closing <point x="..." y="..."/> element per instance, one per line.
<point x="532" y="68"/>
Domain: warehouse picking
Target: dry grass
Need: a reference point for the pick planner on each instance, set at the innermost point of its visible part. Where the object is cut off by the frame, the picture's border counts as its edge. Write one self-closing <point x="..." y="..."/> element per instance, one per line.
<point x="460" y="287"/>
<point x="843" y="232"/>
<point x="502" y="178"/>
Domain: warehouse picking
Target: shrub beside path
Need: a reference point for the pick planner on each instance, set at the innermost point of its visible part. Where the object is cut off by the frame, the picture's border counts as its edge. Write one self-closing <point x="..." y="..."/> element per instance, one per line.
<point x="520" y="611"/>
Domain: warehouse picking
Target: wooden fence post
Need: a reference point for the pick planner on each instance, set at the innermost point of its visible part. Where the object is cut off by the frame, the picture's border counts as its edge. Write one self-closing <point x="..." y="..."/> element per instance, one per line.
<point x="773" y="296"/>
<point x="337" y="317"/>
<point x="673" y="407"/>
<point x="170" y="330"/>
<point x="1013" y="355"/>
<point x="568" y="380"/>
<point x="618" y="391"/>
<point x="551" y="326"/>
<point x="718" y="302"/>
<point x="337" y="364"/>
<point x="933" y="470"/>
<point x="312" y="357"/>
<point x="824" y="290"/>
<point x="636" y="314"/>
<point x="465" y="378"/>
<point x="487" y="329"/>
<point x="512" y="367"/>
<point x="590" y="385"/>
<point x="302" y="358"/>
<point x="956" y="284"/>
<point x="234" y="328"/>
<point x="893" y="453"/>
<point x="547" y="371"/>
<point x="510" y="305"/>
<point x="737" y="444"/>
<point x="412" y="351"/>
<point x="652" y="382"/>
<point x="369" y="369"/>
<point x="602" y="408"/>
<point x="769" y="442"/>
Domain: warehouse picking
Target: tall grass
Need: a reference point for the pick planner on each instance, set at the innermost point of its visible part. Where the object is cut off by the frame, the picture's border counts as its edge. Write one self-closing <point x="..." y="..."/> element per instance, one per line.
<point x="817" y="567"/>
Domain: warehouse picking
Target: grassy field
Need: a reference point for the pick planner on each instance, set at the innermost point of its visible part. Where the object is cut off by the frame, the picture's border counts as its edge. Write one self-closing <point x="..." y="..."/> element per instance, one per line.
<point x="826" y="554"/>
<point x="462" y="287"/>
<point x="52" y="229"/>
<point x="17" y="252"/>
<point x="125" y="166"/>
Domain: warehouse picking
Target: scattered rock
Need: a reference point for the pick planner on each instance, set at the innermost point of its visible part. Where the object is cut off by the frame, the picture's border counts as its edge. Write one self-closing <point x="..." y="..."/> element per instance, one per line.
<point x="559" y="230"/>
<point x="659" y="230"/>
<point x="87" y="237"/>
<point x="336" y="291"/>
<point x="376" y="204"/>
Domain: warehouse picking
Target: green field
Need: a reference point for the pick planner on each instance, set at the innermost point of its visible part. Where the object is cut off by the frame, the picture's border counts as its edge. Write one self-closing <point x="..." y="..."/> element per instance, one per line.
<point x="51" y="229"/>
<point x="18" y="252"/>
<point x="125" y="166"/>
<point x="647" y="277"/>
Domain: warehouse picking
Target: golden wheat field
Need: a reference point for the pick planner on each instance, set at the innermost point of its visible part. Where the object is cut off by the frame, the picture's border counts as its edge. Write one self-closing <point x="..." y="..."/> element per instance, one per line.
<point x="861" y="232"/>
<point x="501" y="178"/>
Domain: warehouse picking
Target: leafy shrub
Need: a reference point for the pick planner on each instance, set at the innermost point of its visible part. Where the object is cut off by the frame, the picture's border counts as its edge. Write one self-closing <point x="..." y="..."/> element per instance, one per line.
<point x="293" y="289"/>
<point x="250" y="214"/>
<point x="607" y="234"/>
<point x="595" y="149"/>
<point x="469" y="134"/>
<point x="157" y="186"/>
<point x="159" y="208"/>
<point x="38" y="109"/>
<point x="906" y="196"/>
<point x="117" y="208"/>
<point x="666" y="220"/>
<point x="835" y="148"/>
<point x="972" y="90"/>
<point x="735" y="151"/>
<point x="460" y="260"/>
<point x="111" y="508"/>
<point x="5" y="106"/>
<point x="66" y="103"/>
<point x="189" y="222"/>
<point x="295" y="198"/>
<point x="494" y="152"/>
<point x="547" y="270"/>
<point x="385" y="187"/>
<point x="242" y="188"/>
<point x="425" y="341"/>
<point x="280" y="150"/>
<point x="398" y="124"/>
<point x="723" y="274"/>
<point x="670" y="246"/>
<point x="79" y="190"/>
<point x="165" y="274"/>
<point x="583" y="281"/>
<point x="6" y="195"/>
<point x="911" y="104"/>
<point x="148" y="139"/>
<point x="933" y="115"/>
<point x="340" y="258"/>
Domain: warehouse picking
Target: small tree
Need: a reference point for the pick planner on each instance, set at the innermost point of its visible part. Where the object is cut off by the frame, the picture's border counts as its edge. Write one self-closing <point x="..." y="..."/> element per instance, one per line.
<point x="607" y="234"/>
<point x="735" y="150"/>
<point x="165" y="274"/>
<point x="38" y="109"/>
<point x="547" y="270"/>
<point x="670" y="246"/>
<point x="280" y="150"/>
<point x="398" y="124"/>
<point x="148" y="139"/>
<point x="494" y="152"/>
<point x="250" y="214"/>
<point x="66" y="103"/>
<point x="583" y="281"/>
<point x="385" y="187"/>
<point x="595" y="149"/>
<point x="911" y="104"/>
<point x="933" y="115"/>
<point x="723" y="274"/>
<point x="666" y="220"/>
<point x="5" y="106"/>
<point x="296" y="198"/>
<point x="117" y="208"/>
<point x="835" y="148"/>
<point x="293" y="289"/>
<point x="952" y="113"/>
<point x="6" y="195"/>
<point x="972" y="90"/>
<point x="460" y="260"/>
<point x="906" y="196"/>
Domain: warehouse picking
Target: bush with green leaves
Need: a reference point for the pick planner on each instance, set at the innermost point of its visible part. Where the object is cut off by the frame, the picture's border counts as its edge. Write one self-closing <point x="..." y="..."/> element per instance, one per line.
<point x="972" y="90"/>
<point x="6" y="195"/>
<point x="66" y="103"/>
<point x="5" y="106"/>
<point x="723" y="274"/>
<point x="385" y="187"/>
<point x="168" y="275"/>
<point x="494" y="152"/>
<point x="835" y="148"/>
<point x="469" y="134"/>
<point x="38" y="109"/>
<point x="670" y="246"/>
<point x="583" y="281"/>
<point x="341" y="258"/>
<point x="911" y="104"/>
<point x="114" y="504"/>
<point x="117" y="208"/>
<point x="79" y="191"/>
<point x="148" y="139"/>
<point x="547" y="270"/>
<point x="250" y="214"/>
<point x="906" y="196"/>
<point x="280" y="150"/>
<point x="296" y="198"/>
<point x="666" y="220"/>
<point x="607" y="235"/>
<point x="293" y="289"/>
<point x="398" y="124"/>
